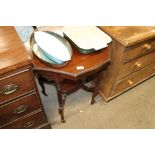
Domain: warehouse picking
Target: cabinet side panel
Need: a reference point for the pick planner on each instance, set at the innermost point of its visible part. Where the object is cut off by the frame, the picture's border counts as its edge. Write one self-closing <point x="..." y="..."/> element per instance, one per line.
<point x="109" y="77"/>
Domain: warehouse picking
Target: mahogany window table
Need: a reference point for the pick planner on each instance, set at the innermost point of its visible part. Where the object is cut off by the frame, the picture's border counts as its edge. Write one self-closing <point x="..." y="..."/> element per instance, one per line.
<point x="69" y="79"/>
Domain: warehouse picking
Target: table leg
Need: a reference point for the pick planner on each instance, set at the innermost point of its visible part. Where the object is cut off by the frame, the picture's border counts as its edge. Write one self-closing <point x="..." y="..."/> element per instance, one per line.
<point x="96" y="88"/>
<point x="61" y="100"/>
<point x="41" y="82"/>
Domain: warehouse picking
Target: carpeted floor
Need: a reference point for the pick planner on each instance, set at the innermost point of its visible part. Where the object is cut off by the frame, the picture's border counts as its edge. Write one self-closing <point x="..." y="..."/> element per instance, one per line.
<point x="133" y="109"/>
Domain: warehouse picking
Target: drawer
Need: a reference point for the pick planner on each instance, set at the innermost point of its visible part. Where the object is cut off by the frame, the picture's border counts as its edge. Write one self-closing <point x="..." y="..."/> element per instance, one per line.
<point x="15" y="85"/>
<point x="136" y="64"/>
<point x="139" y="49"/>
<point x="29" y="122"/>
<point x="133" y="79"/>
<point x="18" y="108"/>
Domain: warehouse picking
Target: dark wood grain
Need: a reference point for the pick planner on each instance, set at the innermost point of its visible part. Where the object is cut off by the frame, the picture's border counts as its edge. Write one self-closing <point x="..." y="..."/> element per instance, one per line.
<point x="13" y="54"/>
<point x="20" y="107"/>
<point x="34" y="120"/>
<point x="17" y="79"/>
<point x="23" y="104"/>
<point x="90" y="62"/>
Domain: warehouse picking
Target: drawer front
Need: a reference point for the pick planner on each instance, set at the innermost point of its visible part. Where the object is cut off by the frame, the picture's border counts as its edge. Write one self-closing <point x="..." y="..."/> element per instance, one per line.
<point x="28" y="122"/>
<point x="14" y="85"/>
<point x="139" y="49"/>
<point x="18" y="108"/>
<point x="133" y="79"/>
<point x="137" y="64"/>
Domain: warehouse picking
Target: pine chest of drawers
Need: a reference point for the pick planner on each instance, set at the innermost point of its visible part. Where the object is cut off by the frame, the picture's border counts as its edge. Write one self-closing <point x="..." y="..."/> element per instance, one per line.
<point x="132" y="58"/>
<point x="20" y="104"/>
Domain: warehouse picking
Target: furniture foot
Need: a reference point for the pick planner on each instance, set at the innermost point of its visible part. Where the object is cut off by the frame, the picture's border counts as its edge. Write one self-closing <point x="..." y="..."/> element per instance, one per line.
<point x="95" y="93"/>
<point x="61" y="112"/>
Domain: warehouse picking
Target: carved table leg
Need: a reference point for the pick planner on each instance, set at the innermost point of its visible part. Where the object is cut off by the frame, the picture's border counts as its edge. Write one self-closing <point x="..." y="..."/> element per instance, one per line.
<point x="61" y="100"/>
<point x="95" y="93"/>
<point x="41" y="82"/>
<point x="96" y="88"/>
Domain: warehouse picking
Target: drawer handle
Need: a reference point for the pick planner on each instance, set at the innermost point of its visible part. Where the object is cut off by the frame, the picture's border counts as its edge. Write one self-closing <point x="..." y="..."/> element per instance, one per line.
<point x="130" y="82"/>
<point x="29" y="124"/>
<point x="138" y="64"/>
<point x="8" y="89"/>
<point x="146" y="46"/>
<point x="20" y="109"/>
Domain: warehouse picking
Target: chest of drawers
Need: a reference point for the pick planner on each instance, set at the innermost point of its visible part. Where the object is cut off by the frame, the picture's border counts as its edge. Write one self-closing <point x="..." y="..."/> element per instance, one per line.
<point x="20" y="104"/>
<point x="132" y="58"/>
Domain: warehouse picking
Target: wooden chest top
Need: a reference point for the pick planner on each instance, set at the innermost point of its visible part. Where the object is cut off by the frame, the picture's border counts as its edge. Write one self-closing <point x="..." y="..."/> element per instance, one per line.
<point x="130" y="35"/>
<point x="13" y="54"/>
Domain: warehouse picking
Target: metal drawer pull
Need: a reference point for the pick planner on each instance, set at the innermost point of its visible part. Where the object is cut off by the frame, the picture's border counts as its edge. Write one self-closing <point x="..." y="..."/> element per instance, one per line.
<point x="20" y="109"/>
<point x="29" y="124"/>
<point x="8" y="89"/>
<point x="146" y="46"/>
<point x="138" y="64"/>
<point x="130" y="82"/>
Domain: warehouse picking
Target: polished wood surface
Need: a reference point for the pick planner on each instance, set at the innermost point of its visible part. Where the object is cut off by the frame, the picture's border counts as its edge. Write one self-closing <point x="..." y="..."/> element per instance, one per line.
<point x="90" y="62"/>
<point x="32" y="121"/>
<point x="20" y="107"/>
<point x="69" y="79"/>
<point x="20" y="103"/>
<point x="13" y="54"/>
<point x="67" y="82"/>
<point x="130" y="35"/>
<point x="132" y="52"/>
<point x="17" y="80"/>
